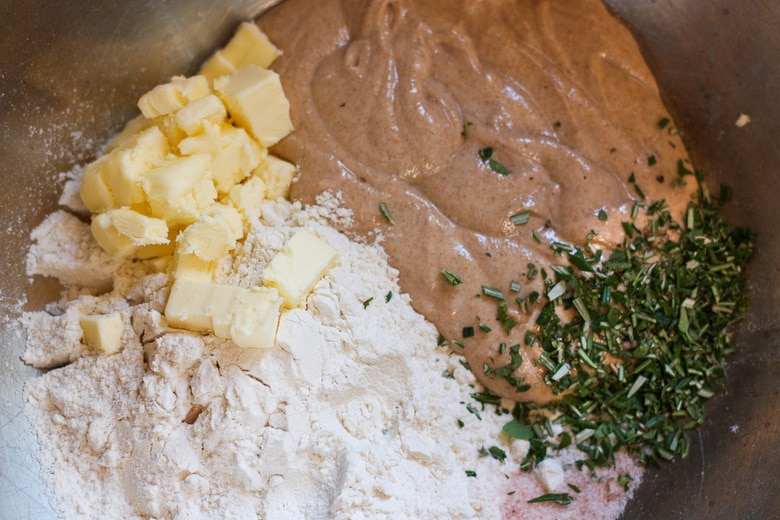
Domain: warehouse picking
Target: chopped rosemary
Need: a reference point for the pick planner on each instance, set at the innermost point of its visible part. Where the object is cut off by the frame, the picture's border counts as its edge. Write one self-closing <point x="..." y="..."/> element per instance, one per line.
<point x="451" y="277"/>
<point x="465" y="132"/>
<point x="645" y="349"/>
<point x="367" y="302"/>
<point x="486" y="154"/>
<point x="518" y="219"/>
<point x="471" y="473"/>
<point x="563" y="499"/>
<point x="386" y="213"/>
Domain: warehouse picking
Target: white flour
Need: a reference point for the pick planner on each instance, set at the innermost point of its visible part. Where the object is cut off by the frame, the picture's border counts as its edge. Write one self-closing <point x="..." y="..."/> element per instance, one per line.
<point x="350" y="416"/>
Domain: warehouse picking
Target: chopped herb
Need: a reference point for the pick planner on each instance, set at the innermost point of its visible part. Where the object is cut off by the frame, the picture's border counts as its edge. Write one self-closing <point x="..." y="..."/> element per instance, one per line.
<point x="468" y="332"/>
<point x="578" y="490"/>
<point x="386" y="213"/>
<point x="447" y="375"/>
<point x="645" y="350"/>
<point x="602" y="215"/>
<point x="632" y="178"/>
<point x="484" y="328"/>
<point x="624" y="480"/>
<point x="514" y="286"/>
<point x="518" y="219"/>
<point x="557" y="124"/>
<point x="451" y="277"/>
<point x="367" y="302"/>
<point x="518" y="430"/>
<point x="485" y="153"/>
<point x="664" y="122"/>
<point x="492" y="292"/>
<point x="471" y="473"/>
<point x="651" y="160"/>
<point x="388" y="296"/>
<point x="460" y="423"/>
<point x="563" y="499"/>
<point x="497" y="453"/>
<point x="465" y="132"/>
<point x="498" y="167"/>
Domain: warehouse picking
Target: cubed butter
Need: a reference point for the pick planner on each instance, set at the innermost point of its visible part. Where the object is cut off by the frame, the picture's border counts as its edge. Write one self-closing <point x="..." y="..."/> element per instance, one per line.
<point x="247" y="316"/>
<point x="114" y="180"/>
<point x="247" y="196"/>
<point x="208" y="109"/>
<point x="213" y="235"/>
<point x="180" y="188"/>
<point x="234" y="153"/>
<point x="132" y="127"/>
<point x="255" y="100"/>
<point x="256" y="318"/>
<point x="188" y="305"/>
<point x="170" y="97"/>
<point x="103" y="332"/>
<point x="217" y="65"/>
<point x="187" y="265"/>
<point x="250" y="45"/>
<point x="278" y="175"/>
<point x="120" y="231"/>
<point x="301" y="263"/>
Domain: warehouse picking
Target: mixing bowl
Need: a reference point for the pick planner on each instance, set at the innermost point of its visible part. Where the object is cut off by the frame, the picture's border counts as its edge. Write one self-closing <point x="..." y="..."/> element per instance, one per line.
<point x="70" y="73"/>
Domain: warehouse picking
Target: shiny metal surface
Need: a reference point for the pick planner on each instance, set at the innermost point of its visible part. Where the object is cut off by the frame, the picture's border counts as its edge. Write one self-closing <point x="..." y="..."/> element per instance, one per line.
<point x="69" y="77"/>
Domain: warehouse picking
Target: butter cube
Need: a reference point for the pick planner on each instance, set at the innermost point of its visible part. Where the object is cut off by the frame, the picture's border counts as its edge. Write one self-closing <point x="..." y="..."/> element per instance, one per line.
<point x="250" y="45"/>
<point x="247" y="316"/>
<point x="256" y="318"/>
<point x="216" y="66"/>
<point x="223" y="304"/>
<point x="120" y="231"/>
<point x="132" y="127"/>
<point x="187" y="265"/>
<point x="188" y="305"/>
<point x="103" y="332"/>
<point x="255" y="100"/>
<point x="278" y="175"/>
<point x="170" y="97"/>
<point x="247" y="196"/>
<point x="114" y="180"/>
<point x="234" y="153"/>
<point x="191" y="118"/>
<point x="300" y="264"/>
<point x="213" y="235"/>
<point x="180" y="188"/>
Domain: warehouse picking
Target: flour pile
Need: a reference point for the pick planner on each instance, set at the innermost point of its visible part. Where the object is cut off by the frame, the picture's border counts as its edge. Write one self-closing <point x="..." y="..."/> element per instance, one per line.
<point x="356" y="413"/>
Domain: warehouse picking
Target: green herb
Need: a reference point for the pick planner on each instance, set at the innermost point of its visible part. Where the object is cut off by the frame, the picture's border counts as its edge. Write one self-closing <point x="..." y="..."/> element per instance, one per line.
<point x="470" y="473"/>
<point x="468" y="332"/>
<point x="646" y="346"/>
<point x="484" y="328"/>
<point x="663" y="122"/>
<point x="386" y="213"/>
<point x="498" y="167"/>
<point x="602" y="215"/>
<point x="367" y="302"/>
<point x="388" y="296"/>
<point x="451" y="277"/>
<point x="486" y="154"/>
<point x="447" y="375"/>
<point x="624" y="480"/>
<point x="497" y="453"/>
<point x="578" y="490"/>
<point x="492" y="292"/>
<point x="514" y="286"/>
<point x="563" y="499"/>
<point x="465" y="132"/>
<point x="518" y="219"/>
<point x="518" y="430"/>
<point x="651" y="160"/>
<point x="460" y="423"/>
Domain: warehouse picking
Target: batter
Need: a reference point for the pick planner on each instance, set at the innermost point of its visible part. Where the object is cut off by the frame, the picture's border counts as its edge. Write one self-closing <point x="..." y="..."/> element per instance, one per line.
<point x="486" y="130"/>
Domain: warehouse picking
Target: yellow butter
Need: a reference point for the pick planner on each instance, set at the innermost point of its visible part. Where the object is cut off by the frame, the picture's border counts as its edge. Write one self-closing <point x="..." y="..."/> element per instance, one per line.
<point x="213" y="235"/>
<point x="188" y="305"/>
<point x="170" y="97"/>
<point x="255" y="100"/>
<point x="300" y="264"/>
<point x="120" y="231"/>
<point x="217" y="65"/>
<point x="234" y="153"/>
<point x="247" y="196"/>
<point x="103" y="332"/>
<point x="191" y="119"/>
<point x="256" y="317"/>
<point x="250" y="45"/>
<point x="278" y="175"/>
<point x="180" y="188"/>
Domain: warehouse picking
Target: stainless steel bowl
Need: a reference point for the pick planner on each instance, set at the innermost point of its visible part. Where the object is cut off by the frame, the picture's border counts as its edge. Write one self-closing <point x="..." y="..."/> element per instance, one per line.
<point x="69" y="77"/>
